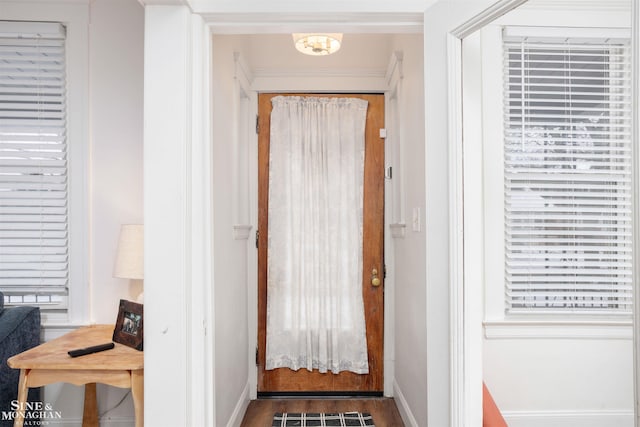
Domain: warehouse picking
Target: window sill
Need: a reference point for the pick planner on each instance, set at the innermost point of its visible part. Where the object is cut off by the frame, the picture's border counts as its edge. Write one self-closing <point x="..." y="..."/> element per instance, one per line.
<point x="556" y="329"/>
<point x="51" y="331"/>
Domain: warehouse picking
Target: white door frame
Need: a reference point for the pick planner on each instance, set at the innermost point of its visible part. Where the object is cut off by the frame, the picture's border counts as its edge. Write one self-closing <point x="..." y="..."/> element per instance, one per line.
<point x="465" y="312"/>
<point x="172" y="136"/>
<point x="635" y="133"/>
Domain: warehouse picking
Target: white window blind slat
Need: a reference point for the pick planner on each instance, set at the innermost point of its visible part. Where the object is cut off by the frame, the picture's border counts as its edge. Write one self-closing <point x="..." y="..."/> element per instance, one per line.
<point x="575" y="233"/>
<point x="597" y="177"/>
<point x="568" y="182"/>
<point x="34" y="241"/>
<point x="40" y="74"/>
<point x="513" y="239"/>
<point x="33" y="234"/>
<point x="33" y="218"/>
<point x="33" y="250"/>
<point x="557" y="281"/>
<point x="50" y="202"/>
<point x="26" y="286"/>
<point x="56" y="98"/>
<point x="570" y="154"/>
<point x="28" y="91"/>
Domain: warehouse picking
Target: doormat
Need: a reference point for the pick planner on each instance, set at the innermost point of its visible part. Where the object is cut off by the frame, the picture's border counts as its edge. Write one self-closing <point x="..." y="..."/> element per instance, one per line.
<point x="321" y="420"/>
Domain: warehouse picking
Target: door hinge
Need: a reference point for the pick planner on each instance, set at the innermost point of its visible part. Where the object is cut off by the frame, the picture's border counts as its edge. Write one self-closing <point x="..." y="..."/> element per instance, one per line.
<point x="257" y="124"/>
<point x="257" y="361"/>
<point x="384" y="271"/>
<point x="257" y="238"/>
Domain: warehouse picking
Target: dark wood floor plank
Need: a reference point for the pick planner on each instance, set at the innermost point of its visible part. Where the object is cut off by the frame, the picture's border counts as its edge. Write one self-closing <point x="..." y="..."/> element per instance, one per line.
<point x="383" y="410"/>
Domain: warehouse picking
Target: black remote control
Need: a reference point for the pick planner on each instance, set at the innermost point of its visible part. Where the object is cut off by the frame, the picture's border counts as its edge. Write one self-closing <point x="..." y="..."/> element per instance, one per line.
<point x="89" y="350"/>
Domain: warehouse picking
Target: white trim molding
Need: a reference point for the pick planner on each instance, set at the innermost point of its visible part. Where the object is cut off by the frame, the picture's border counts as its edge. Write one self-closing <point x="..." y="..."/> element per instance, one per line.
<point x="394" y="69"/>
<point x="576" y="418"/>
<point x="465" y="371"/>
<point x="241" y="407"/>
<point x="403" y="406"/>
<point x="582" y="5"/>
<point x="244" y="138"/>
<point x="394" y="145"/>
<point x="461" y="396"/>
<point x="286" y="22"/>
<point x="104" y="422"/>
<point x="486" y="17"/>
<point x="178" y="220"/>
<point x="635" y="133"/>
<point x="319" y="80"/>
<point x="612" y="330"/>
<point x="242" y="72"/>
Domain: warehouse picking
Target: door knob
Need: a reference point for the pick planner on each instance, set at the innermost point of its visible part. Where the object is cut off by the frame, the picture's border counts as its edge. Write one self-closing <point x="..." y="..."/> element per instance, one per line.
<point x="375" y="280"/>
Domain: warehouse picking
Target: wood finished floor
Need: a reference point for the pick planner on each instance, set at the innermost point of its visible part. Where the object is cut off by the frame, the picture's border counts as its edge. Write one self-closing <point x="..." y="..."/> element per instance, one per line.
<point x="383" y="410"/>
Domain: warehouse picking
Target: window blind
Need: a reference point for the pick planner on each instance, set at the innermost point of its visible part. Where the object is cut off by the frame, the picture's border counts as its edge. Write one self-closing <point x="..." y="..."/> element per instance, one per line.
<point x="34" y="266"/>
<point x="568" y="178"/>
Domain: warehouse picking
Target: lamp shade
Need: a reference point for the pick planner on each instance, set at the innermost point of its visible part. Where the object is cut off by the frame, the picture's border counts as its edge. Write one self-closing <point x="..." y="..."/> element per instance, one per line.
<point x="130" y="255"/>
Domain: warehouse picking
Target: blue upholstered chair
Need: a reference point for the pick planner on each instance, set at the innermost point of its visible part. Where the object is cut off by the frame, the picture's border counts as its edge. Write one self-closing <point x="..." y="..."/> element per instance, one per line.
<point x="19" y="331"/>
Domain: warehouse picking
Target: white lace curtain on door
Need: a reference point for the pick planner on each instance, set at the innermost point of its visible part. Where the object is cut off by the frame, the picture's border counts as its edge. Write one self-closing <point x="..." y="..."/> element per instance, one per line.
<point x="315" y="312"/>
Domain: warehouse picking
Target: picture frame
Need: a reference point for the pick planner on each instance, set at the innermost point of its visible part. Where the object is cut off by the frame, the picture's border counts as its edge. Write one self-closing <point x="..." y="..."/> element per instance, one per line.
<point x="129" y="325"/>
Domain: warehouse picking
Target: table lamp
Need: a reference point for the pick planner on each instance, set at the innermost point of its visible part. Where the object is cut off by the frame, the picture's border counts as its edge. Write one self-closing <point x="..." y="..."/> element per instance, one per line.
<point x="130" y="256"/>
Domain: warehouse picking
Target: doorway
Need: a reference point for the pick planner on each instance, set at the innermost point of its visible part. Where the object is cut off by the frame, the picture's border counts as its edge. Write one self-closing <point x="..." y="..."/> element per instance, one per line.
<point x="284" y="380"/>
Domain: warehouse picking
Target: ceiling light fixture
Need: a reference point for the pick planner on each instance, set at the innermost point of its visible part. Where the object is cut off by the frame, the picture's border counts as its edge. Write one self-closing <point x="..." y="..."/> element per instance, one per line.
<point x="317" y="44"/>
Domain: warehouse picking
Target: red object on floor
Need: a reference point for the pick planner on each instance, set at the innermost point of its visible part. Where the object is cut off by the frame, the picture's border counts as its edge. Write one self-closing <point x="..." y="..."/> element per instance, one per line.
<point x="491" y="416"/>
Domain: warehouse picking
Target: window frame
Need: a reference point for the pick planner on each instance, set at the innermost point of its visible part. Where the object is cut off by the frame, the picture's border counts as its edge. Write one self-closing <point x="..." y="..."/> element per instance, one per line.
<point x="75" y="17"/>
<point x="489" y="168"/>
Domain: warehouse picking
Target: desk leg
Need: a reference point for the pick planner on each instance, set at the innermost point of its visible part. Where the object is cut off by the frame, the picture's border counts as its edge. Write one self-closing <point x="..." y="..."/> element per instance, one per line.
<point x="137" y="392"/>
<point x="90" y="416"/>
<point x="18" y="421"/>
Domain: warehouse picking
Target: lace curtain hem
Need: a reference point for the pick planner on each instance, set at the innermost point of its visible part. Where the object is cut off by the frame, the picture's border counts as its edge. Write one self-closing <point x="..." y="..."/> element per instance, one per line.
<point x="303" y="362"/>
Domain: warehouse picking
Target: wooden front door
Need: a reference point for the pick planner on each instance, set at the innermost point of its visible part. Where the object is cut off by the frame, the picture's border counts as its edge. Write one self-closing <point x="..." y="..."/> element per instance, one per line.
<point x="287" y="380"/>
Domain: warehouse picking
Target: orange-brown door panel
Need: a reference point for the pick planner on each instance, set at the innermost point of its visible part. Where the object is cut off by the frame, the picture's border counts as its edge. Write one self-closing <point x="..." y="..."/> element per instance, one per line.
<point x="287" y="380"/>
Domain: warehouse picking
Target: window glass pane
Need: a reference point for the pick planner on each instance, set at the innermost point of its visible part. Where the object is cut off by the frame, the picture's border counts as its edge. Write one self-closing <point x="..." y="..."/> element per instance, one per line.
<point x="568" y="181"/>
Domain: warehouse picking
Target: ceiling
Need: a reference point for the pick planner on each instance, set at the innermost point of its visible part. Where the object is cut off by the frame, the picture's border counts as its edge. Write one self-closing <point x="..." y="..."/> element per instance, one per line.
<point x="277" y="51"/>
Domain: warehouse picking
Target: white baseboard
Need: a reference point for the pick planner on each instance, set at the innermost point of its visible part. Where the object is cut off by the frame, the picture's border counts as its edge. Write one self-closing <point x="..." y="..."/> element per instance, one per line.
<point x="104" y="422"/>
<point x="118" y="422"/>
<point x="568" y="418"/>
<point x="403" y="407"/>
<point x="241" y="407"/>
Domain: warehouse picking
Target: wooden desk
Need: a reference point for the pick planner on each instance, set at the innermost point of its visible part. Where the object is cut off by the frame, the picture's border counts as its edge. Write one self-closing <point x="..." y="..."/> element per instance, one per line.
<point x="49" y="363"/>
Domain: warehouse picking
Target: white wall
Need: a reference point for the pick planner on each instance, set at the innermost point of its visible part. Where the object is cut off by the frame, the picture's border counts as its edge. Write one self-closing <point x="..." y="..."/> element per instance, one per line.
<point x="110" y="106"/>
<point x="564" y="372"/>
<point x="410" y="385"/>
<point x="116" y="41"/>
<point x="116" y="47"/>
<point x="230" y="254"/>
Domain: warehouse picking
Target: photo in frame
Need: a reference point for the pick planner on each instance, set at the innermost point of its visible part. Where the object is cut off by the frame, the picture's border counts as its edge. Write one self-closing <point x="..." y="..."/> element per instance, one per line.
<point x="129" y="325"/>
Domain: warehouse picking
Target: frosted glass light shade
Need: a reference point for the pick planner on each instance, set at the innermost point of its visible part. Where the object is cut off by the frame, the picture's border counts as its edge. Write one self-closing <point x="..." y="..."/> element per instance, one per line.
<point x="130" y="256"/>
<point x="317" y="44"/>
